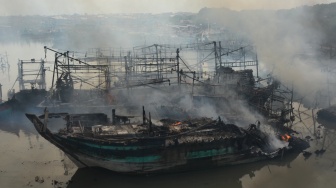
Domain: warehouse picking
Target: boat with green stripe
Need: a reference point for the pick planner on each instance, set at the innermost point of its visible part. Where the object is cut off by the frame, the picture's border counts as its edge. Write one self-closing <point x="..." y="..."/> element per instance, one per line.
<point x="91" y="140"/>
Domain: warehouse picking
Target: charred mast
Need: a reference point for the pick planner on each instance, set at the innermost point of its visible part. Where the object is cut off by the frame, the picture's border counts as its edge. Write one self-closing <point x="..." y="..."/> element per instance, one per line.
<point x="219" y="74"/>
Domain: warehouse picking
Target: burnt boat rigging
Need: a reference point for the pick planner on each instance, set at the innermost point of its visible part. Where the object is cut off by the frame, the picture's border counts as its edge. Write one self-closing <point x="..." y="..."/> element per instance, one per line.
<point x="162" y="68"/>
<point x="69" y="71"/>
<point x="32" y="87"/>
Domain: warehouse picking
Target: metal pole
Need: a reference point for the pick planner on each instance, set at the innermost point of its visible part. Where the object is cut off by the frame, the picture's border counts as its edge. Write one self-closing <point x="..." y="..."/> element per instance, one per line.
<point x="21" y="76"/>
<point x="215" y="49"/>
<point x="314" y="122"/>
<point x="157" y="61"/>
<point x="143" y="115"/>
<point x="257" y="66"/>
<point x="178" y="65"/>
<point x="244" y="56"/>
<point x="43" y="75"/>
<point x="291" y="105"/>
<point x="53" y="78"/>
<point x="220" y="54"/>
<point x="68" y="61"/>
<point x="0" y="93"/>
<point x="126" y="70"/>
<point x="192" y="90"/>
<point x="150" y="123"/>
<point x="113" y="116"/>
<point x="328" y="89"/>
<point x="56" y="66"/>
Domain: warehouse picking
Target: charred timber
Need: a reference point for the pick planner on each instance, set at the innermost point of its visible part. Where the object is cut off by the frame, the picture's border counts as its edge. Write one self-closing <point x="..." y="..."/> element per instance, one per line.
<point x="146" y="148"/>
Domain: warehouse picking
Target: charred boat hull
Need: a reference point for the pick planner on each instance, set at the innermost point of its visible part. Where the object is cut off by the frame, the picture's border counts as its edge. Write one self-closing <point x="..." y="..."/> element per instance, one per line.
<point x="151" y="154"/>
<point x="156" y="158"/>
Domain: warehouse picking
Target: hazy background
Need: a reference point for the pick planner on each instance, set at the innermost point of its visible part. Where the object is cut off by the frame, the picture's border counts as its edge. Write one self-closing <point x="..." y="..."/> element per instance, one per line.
<point x="51" y="7"/>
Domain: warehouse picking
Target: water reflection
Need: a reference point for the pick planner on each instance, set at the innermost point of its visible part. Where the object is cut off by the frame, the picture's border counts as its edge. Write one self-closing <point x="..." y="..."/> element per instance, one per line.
<point x="219" y="177"/>
<point x="27" y="156"/>
<point x="16" y="124"/>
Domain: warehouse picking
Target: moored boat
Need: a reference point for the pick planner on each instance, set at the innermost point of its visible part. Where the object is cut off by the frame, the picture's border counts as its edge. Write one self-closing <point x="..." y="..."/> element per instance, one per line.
<point x="8" y="108"/>
<point x="90" y="140"/>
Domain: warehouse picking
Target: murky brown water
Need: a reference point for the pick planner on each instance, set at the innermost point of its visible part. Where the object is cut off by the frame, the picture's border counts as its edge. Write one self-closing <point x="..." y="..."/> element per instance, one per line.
<point x="28" y="160"/>
<point x="25" y="156"/>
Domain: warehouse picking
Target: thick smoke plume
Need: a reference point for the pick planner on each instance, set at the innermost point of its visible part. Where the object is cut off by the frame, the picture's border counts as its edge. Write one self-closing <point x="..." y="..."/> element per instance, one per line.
<point x="287" y="41"/>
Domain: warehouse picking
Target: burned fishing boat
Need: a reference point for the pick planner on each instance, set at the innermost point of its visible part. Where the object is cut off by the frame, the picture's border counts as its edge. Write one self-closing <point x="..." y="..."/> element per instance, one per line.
<point x="99" y="83"/>
<point x="7" y="108"/>
<point x="327" y="116"/>
<point x="32" y="87"/>
<point x="90" y="140"/>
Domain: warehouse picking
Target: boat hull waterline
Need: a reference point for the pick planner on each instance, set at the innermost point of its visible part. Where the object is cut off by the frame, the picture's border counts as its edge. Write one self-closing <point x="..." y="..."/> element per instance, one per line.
<point x="148" y="155"/>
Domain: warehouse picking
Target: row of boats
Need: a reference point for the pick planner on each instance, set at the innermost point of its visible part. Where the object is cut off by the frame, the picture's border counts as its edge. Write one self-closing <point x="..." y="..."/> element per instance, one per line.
<point x="177" y="139"/>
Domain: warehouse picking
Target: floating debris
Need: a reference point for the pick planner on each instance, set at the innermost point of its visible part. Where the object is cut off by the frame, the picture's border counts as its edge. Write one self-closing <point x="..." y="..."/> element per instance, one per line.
<point x="39" y="179"/>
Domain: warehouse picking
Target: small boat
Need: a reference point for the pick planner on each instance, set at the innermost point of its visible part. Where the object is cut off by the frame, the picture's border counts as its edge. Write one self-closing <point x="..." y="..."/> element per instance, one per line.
<point x="90" y="140"/>
<point x="327" y="117"/>
<point x="8" y="108"/>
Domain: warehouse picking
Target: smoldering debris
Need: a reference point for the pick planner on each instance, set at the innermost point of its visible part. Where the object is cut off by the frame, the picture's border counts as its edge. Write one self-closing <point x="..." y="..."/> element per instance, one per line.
<point x="39" y="179"/>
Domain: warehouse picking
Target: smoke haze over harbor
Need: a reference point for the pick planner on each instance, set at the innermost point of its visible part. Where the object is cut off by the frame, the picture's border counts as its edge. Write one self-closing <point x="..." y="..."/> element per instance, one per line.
<point x="293" y="41"/>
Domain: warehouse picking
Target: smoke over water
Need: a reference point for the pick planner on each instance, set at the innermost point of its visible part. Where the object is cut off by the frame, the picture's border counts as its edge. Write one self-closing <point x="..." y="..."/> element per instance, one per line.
<point x="287" y="41"/>
<point x="283" y="40"/>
